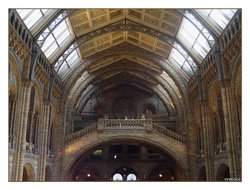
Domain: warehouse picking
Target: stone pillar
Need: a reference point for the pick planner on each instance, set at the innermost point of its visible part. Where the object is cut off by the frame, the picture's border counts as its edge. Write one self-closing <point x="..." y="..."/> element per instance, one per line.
<point x="144" y="153"/>
<point x="191" y="147"/>
<point x="45" y="117"/>
<point x="230" y="128"/>
<point x="207" y="134"/>
<point x="58" y="147"/>
<point x="105" y="153"/>
<point x="22" y="111"/>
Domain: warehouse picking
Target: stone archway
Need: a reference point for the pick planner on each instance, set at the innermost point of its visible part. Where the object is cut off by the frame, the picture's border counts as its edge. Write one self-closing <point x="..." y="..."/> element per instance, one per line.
<point x="222" y="173"/>
<point x="202" y="174"/>
<point x="162" y="173"/>
<point x="86" y="173"/>
<point x="82" y="160"/>
<point x="48" y="174"/>
<point x="28" y="172"/>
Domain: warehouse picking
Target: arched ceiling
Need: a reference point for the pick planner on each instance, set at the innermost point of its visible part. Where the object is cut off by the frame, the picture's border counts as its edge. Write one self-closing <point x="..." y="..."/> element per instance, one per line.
<point x="158" y="50"/>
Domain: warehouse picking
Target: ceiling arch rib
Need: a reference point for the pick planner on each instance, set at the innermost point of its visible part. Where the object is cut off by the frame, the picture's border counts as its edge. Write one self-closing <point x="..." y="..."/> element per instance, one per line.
<point x="91" y="90"/>
<point x="124" y="64"/>
<point x="110" y="77"/>
<point x="94" y="92"/>
<point x="121" y="50"/>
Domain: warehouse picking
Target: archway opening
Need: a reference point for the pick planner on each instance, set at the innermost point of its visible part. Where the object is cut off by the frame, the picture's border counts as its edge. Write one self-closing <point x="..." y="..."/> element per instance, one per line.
<point x="28" y="173"/>
<point x="202" y="174"/>
<point x="48" y="174"/>
<point x="124" y="160"/>
<point x="125" y="174"/>
<point x="86" y="173"/>
<point x="162" y="173"/>
<point x="223" y="173"/>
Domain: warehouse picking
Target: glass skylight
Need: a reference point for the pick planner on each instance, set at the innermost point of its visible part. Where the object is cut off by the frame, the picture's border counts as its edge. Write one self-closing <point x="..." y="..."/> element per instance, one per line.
<point x="194" y="35"/>
<point x="67" y="61"/>
<point x="31" y="16"/>
<point x="179" y="57"/>
<point x="55" y="38"/>
<point x="220" y="17"/>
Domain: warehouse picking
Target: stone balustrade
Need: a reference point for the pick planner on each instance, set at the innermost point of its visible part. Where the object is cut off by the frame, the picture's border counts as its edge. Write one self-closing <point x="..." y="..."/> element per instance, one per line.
<point x="121" y="124"/>
<point x="169" y="133"/>
<point x="124" y="123"/>
<point x="79" y="134"/>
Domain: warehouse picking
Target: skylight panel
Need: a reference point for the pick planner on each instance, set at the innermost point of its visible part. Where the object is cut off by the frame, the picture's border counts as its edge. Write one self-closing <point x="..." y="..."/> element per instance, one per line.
<point x="31" y="16"/>
<point x="180" y="58"/>
<point x="220" y="17"/>
<point x="55" y="38"/>
<point x="67" y="61"/>
<point x="195" y="36"/>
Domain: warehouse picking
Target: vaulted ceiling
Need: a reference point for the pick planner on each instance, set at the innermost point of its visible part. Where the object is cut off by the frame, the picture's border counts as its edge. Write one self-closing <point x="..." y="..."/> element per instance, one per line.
<point x="157" y="50"/>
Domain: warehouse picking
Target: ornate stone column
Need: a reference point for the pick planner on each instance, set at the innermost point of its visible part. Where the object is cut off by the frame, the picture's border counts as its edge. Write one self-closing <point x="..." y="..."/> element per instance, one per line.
<point x="191" y="147"/>
<point x="58" y="147"/>
<point x="207" y="134"/>
<point x="22" y="111"/>
<point x="230" y="128"/>
<point x="45" y="119"/>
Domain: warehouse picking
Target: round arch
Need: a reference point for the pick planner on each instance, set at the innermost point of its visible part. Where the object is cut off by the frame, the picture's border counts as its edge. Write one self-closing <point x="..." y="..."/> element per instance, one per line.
<point x="202" y="174"/>
<point x="86" y="173"/>
<point x="28" y="172"/>
<point x="222" y="173"/>
<point x="70" y="161"/>
<point x="162" y="173"/>
<point x="48" y="174"/>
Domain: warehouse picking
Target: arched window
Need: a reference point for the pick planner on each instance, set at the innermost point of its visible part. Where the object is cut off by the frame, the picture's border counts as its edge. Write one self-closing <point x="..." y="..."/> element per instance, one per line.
<point x="223" y="173"/>
<point x="28" y="173"/>
<point x="131" y="177"/>
<point x="117" y="177"/>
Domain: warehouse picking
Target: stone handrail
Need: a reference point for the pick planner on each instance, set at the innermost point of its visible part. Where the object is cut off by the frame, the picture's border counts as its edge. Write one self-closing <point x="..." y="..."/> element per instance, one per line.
<point x="124" y="123"/>
<point x="169" y="133"/>
<point x="77" y="135"/>
<point x="117" y="124"/>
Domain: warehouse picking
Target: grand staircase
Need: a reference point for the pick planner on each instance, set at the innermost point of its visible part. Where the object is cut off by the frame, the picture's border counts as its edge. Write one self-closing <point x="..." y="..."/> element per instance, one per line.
<point x="115" y="125"/>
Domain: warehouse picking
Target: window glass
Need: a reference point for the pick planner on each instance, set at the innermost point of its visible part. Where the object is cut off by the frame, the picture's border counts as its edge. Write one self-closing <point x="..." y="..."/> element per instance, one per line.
<point x="131" y="177"/>
<point x="220" y="17"/>
<point x="31" y="16"/>
<point x="194" y="35"/>
<point x="179" y="57"/>
<point x="117" y="177"/>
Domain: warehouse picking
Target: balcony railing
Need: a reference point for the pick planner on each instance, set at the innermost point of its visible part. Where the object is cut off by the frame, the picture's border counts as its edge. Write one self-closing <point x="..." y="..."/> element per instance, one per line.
<point x="79" y="134"/>
<point x="176" y="136"/>
<point x="124" y="124"/>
